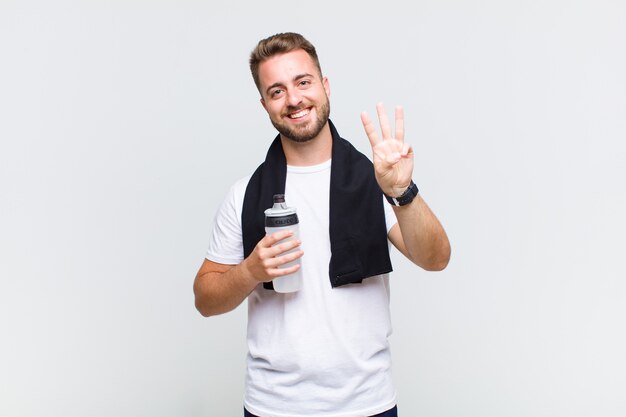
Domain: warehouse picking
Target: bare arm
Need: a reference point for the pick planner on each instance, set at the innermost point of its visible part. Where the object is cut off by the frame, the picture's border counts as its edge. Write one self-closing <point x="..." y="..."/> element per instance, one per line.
<point x="220" y="288"/>
<point x="420" y="237"/>
<point x="418" y="234"/>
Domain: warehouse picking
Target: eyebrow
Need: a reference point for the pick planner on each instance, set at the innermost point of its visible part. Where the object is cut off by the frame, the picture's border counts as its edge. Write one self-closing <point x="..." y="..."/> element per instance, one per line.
<point x="296" y="78"/>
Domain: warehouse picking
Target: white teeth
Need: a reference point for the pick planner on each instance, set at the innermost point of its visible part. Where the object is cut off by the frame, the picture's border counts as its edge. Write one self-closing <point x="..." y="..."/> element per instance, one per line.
<point x="299" y="114"/>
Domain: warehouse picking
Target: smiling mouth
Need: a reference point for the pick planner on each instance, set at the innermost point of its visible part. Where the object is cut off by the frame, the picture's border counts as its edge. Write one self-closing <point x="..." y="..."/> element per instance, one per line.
<point x="299" y="114"/>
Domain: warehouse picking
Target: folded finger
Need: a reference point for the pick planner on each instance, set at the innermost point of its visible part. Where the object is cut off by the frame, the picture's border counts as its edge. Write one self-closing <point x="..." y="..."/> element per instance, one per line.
<point x="279" y="272"/>
<point x="281" y="248"/>
<point x="271" y="239"/>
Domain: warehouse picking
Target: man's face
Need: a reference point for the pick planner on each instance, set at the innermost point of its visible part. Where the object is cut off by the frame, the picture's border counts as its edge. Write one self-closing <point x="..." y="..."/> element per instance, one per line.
<point x="294" y="95"/>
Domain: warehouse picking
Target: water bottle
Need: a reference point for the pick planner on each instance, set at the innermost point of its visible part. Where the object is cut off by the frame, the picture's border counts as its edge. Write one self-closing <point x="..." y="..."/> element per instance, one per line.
<point x="277" y="218"/>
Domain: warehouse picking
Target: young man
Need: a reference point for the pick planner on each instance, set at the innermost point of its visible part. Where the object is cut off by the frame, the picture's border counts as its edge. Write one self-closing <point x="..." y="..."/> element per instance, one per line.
<point x="323" y="350"/>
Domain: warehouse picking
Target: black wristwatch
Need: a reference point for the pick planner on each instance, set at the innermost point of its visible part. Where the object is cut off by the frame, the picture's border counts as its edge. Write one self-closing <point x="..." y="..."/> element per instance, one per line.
<point x="405" y="198"/>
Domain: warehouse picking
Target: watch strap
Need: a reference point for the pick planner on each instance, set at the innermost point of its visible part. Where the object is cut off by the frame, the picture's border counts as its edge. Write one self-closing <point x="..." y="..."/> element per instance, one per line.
<point x="406" y="197"/>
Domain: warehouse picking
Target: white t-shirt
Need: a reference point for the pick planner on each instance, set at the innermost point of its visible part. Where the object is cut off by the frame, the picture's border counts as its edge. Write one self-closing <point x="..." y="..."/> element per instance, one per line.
<point x="321" y="351"/>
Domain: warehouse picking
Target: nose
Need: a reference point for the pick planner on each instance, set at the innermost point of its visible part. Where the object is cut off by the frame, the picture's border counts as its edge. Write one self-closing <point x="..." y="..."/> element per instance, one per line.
<point x="293" y="98"/>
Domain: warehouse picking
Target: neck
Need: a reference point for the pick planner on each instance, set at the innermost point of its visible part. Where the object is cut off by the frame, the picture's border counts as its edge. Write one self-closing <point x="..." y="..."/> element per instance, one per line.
<point x="312" y="152"/>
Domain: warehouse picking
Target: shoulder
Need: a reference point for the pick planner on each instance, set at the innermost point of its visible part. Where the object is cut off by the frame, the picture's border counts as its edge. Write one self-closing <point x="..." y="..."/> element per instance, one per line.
<point x="235" y="195"/>
<point x="239" y="186"/>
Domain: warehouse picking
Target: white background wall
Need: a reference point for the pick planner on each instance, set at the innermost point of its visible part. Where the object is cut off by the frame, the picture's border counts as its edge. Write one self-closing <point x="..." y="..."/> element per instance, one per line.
<point x="123" y="123"/>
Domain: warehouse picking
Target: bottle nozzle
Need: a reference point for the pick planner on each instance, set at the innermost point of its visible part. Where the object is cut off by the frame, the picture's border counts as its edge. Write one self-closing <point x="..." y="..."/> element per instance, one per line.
<point x="279" y="202"/>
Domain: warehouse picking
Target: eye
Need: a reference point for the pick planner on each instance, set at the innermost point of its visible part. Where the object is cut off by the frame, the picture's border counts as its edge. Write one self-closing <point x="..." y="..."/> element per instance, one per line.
<point x="276" y="92"/>
<point x="304" y="83"/>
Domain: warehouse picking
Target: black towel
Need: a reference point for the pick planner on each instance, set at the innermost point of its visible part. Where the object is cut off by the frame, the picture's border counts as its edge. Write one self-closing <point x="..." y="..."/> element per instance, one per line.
<point x="358" y="234"/>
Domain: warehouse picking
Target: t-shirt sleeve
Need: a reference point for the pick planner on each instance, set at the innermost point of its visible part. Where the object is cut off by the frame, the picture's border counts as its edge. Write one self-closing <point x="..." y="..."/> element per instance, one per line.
<point x="390" y="215"/>
<point x="226" y="243"/>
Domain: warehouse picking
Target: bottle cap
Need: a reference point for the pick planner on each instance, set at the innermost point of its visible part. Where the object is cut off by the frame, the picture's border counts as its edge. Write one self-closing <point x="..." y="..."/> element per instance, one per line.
<point x="280" y="208"/>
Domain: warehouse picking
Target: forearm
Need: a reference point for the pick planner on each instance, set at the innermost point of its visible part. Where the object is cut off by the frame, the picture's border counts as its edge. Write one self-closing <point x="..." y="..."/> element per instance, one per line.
<point x="220" y="288"/>
<point x="425" y="241"/>
<point x="220" y="292"/>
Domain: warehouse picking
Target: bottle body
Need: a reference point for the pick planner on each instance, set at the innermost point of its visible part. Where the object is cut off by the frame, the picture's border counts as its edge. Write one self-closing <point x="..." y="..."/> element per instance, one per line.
<point x="277" y="218"/>
<point x="291" y="282"/>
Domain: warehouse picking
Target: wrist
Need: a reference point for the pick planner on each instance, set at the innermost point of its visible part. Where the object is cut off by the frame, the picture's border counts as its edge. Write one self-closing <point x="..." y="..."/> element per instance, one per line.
<point x="405" y="197"/>
<point x="246" y="274"/>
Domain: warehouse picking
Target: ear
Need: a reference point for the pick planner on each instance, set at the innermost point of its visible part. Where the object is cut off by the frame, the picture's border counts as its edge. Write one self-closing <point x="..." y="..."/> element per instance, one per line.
<point x="326" y="86"/>
<point x="263" y="104"/>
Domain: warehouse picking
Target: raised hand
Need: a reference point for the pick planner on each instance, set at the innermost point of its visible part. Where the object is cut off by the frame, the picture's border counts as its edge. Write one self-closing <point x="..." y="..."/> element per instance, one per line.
<point x="393" y="159"/>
